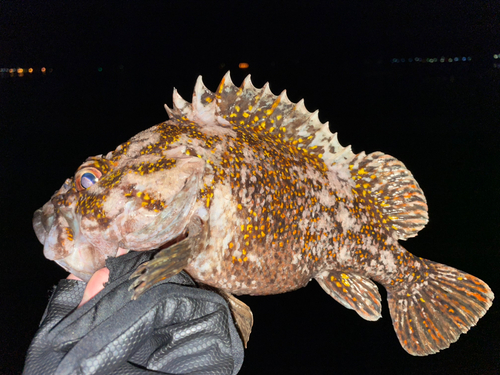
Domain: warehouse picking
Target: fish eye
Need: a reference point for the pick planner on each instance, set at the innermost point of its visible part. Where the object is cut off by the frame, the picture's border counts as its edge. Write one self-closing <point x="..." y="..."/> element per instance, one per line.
<point x="87" y="177"/>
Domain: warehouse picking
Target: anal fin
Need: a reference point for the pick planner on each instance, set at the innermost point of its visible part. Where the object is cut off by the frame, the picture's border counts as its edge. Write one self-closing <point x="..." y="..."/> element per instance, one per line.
<point x="353" y="291"/>
<point x="242" y="315"/>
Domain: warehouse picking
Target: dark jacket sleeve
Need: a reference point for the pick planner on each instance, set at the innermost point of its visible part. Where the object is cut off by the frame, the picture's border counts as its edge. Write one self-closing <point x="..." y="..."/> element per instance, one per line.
<point x="173" y="328"/>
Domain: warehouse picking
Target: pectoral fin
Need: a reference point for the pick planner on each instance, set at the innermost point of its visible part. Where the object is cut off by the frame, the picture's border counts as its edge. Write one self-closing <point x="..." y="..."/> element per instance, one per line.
<point x="167" y="263"/>
<point x="353" y="291"/>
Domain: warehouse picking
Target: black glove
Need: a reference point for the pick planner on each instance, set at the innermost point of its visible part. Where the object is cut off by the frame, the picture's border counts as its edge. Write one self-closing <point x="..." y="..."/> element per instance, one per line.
<point x="173" y="328"/>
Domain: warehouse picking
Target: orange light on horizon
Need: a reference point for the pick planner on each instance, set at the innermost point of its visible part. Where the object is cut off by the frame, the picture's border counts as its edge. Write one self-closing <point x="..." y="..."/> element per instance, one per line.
<point x="243" y="65"/>
<point x="20" y="70"/>
<point x="30" y="70"/>
<point x="43" y="70"/>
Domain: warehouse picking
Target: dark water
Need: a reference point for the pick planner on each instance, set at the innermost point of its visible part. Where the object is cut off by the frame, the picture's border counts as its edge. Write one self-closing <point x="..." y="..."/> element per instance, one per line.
<point x="442" y="123"/>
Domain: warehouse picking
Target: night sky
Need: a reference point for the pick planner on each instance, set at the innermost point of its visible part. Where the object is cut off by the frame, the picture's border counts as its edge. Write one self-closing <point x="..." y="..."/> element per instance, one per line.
<point x="112" y="65"/>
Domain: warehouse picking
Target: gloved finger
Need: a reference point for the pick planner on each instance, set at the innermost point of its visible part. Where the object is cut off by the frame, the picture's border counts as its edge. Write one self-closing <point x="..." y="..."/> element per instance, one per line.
<point x="95" y="285"/>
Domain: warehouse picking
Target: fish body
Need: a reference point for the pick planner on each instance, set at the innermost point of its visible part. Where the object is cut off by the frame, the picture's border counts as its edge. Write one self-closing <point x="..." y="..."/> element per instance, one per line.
<point x="251" y="194"/>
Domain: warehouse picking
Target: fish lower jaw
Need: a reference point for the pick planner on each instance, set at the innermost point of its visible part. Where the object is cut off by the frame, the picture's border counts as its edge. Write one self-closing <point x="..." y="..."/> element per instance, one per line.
<point x="82" y="274"/>
<point x="57" y="252"/>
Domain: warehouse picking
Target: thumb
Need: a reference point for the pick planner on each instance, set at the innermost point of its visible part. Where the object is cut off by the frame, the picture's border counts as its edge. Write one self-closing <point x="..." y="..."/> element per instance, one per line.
<point x="95" y="285"/>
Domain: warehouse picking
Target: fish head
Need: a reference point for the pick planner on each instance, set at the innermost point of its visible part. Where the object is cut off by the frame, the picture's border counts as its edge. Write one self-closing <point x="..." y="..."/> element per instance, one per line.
<point x="138" y="197"/>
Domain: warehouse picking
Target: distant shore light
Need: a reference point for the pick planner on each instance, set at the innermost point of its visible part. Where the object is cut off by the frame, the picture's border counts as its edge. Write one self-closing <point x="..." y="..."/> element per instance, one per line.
<point x="243" y="65"/>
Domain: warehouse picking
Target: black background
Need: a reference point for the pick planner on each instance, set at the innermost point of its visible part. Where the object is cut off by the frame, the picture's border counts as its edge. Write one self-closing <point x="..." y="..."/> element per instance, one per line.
<point x="115" y="64"/>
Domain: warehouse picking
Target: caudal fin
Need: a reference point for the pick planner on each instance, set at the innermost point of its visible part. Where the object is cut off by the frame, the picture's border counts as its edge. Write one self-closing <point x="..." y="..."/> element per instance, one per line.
<point x="436" y="307"/>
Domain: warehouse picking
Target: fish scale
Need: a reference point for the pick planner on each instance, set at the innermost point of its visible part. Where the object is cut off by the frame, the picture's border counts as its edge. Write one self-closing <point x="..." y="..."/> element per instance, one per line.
<point x="251" y="194"/>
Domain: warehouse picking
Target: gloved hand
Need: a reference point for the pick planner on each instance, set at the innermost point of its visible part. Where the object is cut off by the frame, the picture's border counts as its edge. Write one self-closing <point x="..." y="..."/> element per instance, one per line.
<point x="173" y="328"/>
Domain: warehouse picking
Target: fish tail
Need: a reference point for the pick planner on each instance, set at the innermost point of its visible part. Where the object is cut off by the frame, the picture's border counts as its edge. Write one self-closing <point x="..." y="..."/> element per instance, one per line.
<point x="432" y="308"/>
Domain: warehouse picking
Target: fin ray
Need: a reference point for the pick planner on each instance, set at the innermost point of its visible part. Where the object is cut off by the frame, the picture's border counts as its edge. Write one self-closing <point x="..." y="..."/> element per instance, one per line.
<point x="167" y="263"/>
<point x="261" y="110"/>
<point x="353" y="291"/>
<point x="242" y="315"/>
<point x="390" y="192"/>
<point x="429" y="316"/>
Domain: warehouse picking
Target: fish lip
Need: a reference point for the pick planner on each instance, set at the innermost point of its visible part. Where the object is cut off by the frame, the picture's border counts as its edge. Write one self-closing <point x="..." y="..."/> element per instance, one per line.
<point x="43" y="218"/>
<point x="40" y="230"/>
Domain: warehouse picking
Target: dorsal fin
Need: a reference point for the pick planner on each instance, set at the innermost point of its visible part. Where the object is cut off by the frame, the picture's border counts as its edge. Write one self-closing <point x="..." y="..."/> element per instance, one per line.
<point x="203" y="103"/>
<point x="390" y="193"/>
<point x="261" y="111"/>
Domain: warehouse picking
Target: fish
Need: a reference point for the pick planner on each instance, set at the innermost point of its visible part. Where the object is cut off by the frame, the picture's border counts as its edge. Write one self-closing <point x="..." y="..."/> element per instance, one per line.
<point x="250" y="193"/>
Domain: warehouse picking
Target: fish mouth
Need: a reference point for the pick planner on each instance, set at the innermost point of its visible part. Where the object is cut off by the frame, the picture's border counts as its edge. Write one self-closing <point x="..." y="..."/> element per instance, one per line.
<point x="79" y="255"/>
<point x="64" y="243"/>
<point x="81" y="245"/>
<point x="41" y="224"/>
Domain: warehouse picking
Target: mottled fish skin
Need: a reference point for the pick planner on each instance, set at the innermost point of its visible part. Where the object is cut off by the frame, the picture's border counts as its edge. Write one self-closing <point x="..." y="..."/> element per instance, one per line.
<point x="268" y="199"/>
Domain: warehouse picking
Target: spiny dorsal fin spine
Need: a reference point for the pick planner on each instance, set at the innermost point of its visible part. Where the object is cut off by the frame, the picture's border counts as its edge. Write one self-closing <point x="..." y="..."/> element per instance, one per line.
<point x="261" y="110"/>
<point x="247" y="84"/>
<point x="225" y="96"/>
<point x="202" y="96"/>
<point x="300" y="106"/>
<point x="322" y="143"/>
<point x="266" y="91"/>
<point x="284" y="98"/>
<point x="169" y="111"/>
<point x="181" y="107"/>
<point x="298" y="120"/>
<point x="334" y="144"/>
<point x="203" y="103"/>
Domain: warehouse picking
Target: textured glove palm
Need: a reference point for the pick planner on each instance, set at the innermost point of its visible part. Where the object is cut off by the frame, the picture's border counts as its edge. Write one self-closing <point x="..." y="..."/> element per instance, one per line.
<point x="173" y="328"/>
